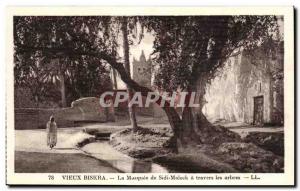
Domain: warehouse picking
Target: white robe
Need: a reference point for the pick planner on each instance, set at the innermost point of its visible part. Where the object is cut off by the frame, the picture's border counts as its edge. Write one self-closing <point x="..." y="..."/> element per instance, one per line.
<point x="51" y="133"/>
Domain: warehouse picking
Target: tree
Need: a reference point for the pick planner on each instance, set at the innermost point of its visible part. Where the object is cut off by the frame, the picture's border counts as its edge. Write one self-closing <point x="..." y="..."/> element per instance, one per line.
<point x="87" y="77"/>
<point x="29" y="75"/>
<point x="189" y="51"/>
<point x="55" y="71"/>
<point x="73" y="74"/>
<point x="114" y="76"/>
<point x="131" y="109"/>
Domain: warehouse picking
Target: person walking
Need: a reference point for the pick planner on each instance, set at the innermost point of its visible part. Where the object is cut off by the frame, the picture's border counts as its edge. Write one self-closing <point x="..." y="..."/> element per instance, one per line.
<point x="51" y="133"/>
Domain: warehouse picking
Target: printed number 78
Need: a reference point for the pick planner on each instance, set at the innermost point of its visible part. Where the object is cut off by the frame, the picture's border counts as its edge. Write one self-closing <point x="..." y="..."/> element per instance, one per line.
<point x="51" y="177"/>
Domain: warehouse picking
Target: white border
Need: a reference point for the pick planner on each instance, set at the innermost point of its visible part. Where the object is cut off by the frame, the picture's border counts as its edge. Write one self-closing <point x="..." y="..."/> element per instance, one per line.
<point x="286" y="178"/>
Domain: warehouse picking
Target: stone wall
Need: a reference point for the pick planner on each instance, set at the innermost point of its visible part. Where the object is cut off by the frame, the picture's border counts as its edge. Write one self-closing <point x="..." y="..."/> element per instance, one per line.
<point x="222" y="94"/>
<point x="82" y="110"/>
<point x="257" y="83"/>
<point x="35" y="118"/>
<point x="231" y="95"/>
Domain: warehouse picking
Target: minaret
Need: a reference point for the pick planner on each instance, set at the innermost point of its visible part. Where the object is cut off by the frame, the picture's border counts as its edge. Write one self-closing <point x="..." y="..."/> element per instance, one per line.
<point x="143" y="57"/>
<point x="142" y="75"/>
<point x="142" y="70"/>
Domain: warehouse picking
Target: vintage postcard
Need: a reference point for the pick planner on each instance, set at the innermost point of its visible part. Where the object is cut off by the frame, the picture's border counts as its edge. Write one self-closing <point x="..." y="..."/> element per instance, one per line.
<point x="187" y="96"/>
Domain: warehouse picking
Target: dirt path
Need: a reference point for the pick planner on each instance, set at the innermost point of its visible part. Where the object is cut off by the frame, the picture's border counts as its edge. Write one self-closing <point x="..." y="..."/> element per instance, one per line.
<point x="35" y="162"/>
<point x="33" y="155"/>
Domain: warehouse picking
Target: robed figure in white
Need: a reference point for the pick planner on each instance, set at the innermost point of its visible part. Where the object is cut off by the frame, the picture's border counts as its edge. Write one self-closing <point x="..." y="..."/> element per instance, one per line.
<point x="51" y="132"/>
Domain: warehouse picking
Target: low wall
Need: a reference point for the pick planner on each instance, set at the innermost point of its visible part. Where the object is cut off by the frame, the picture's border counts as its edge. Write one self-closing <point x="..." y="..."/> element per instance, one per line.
<point x="86" y="109"/>
<point x="34" y="118"/>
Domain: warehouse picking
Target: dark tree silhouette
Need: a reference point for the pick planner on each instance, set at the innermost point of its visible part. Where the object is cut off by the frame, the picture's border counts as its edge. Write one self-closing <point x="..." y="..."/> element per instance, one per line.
<point x="189" y="50"/>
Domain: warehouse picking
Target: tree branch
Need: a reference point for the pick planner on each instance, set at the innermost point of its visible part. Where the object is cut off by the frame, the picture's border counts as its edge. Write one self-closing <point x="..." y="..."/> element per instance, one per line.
<point x="119" y="67"/>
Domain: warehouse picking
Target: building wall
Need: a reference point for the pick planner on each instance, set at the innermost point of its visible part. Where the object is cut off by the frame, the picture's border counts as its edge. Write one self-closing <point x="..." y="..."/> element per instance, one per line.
<point x="231" y="95"/>
<point x="223" y="92"/>
<point x="258" y="84"/>
<point x="262" y="77"/>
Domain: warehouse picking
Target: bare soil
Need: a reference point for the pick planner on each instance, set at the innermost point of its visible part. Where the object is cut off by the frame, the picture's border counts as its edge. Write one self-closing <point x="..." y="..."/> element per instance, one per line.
<point x="35" y="162"/>
<point x="151" y="141"/>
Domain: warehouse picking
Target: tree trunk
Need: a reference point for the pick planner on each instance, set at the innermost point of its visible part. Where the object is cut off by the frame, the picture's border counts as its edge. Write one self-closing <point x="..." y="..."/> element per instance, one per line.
<point x="193" y="120"/>
<point x="62" y="90"/>
<point x="196" y="129"/>
<point x="114" y="73"/>
<point x="271" y="97"/>
<point x="131" y="109"/>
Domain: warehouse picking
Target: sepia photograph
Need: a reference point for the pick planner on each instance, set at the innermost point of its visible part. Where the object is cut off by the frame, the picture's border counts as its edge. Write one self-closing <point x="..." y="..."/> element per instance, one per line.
<point x="157" y="94"/>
